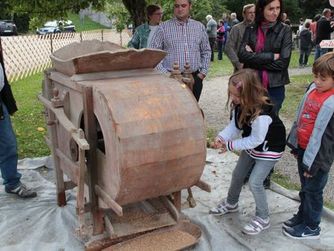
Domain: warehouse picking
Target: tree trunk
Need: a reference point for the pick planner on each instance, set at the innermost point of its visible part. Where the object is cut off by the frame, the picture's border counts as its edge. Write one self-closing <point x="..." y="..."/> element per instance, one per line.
<point x="136" y="9"/>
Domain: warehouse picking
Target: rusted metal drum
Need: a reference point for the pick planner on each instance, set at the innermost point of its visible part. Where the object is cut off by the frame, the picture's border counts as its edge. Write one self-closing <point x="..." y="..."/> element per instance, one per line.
<point x="150" y="128"/>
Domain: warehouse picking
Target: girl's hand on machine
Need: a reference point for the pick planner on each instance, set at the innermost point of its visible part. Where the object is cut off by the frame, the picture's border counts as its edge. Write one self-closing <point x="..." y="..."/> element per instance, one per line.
<point x="219" y="144"/>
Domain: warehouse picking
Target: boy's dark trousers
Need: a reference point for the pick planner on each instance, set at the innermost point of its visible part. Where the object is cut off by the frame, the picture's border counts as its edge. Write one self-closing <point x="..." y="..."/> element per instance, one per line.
<point x="303" y="58"/>
<point x="311" y="194"/>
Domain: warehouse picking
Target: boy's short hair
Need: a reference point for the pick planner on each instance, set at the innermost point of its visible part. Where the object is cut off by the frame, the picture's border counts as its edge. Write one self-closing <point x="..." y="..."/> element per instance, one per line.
<point x="307" y="25"/>
<point x="324" y="65"/>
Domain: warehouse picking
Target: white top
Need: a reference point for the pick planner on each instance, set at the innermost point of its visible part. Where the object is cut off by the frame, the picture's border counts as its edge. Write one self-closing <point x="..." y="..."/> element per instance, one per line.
<point x="153" y="29"/>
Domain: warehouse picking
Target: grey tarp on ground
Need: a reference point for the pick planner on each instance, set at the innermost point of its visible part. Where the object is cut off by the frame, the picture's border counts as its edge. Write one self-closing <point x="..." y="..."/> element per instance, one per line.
<point x="39" y="224"/>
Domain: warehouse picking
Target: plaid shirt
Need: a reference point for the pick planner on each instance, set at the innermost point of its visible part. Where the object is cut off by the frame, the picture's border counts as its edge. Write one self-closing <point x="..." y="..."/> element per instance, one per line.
<point x="183" y="42"/>
<point x="139" y="38"/>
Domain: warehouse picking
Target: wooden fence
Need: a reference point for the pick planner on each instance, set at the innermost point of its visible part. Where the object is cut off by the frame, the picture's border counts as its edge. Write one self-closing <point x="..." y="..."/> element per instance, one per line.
<point x="27" y="55"/>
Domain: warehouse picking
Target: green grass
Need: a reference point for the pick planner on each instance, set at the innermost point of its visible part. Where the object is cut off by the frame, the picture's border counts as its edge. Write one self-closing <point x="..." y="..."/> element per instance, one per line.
<point x="220" y="68"/>
<point x="224" y="67"/>
<point x="28" y="121"/>
<point x="294" y="92"/>
<point x="86" y="25"/>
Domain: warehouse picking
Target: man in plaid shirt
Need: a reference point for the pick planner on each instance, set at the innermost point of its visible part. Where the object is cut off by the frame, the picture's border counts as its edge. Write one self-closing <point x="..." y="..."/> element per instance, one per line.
<point x="184" y="40"/>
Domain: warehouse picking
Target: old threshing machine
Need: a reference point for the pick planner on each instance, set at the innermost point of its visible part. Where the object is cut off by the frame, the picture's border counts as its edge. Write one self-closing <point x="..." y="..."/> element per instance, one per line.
<point x="129" y="139"/>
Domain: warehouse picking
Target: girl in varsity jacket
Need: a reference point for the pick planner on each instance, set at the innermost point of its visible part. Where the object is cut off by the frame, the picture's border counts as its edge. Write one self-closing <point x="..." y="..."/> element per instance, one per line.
<point x="261" y="143"/>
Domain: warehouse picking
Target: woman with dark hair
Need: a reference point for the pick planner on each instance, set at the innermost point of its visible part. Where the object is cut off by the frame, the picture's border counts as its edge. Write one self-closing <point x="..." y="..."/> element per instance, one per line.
<point x="144" y="33"/>
<point x="266" y="47"/>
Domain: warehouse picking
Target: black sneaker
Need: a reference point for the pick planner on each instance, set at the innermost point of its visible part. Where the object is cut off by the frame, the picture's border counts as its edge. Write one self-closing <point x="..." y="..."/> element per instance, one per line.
<point x="292" y="222"/>
<point x="22" y="191"/>
<point x="302" y="232"/>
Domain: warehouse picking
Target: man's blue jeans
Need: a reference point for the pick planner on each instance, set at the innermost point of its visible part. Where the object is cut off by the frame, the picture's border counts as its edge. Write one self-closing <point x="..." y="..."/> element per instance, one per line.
<point x="311" y="194"/>
<point x="277" y="96"/>
<point x="319" y="52"/>
<point x="8" y="152"/>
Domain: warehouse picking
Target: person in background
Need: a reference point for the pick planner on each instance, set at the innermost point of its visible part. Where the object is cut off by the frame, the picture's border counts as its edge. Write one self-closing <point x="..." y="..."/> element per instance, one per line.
<point x="184" y="40"/>
<point x="220" y="39"/>
<point x="313" y="26"/>
<point x="236" y="34"/>
<point x="144" y="33"/>
<point x="284" y="17"/>
<point x="266" y="47"/>
<point x="311" y="141"/>
<point x="323" y="32"/>
<point x="262" y="144"/>
<point x="227" y="29"/>
<point x="211" y="29"/>
<point x="305" y="45"/>
<point x="8" y="147"/>
<point x="233" y="19"/>
<point x="301" y="25"/>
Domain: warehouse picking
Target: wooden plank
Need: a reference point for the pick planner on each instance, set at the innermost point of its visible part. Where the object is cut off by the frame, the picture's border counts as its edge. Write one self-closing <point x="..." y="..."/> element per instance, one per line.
<point x="171" y="208"/>
<point x="109" y="228"/>
<point x="177" y="200"/>
<point x="60" y="186"/>
<point x="69" y="185"/>
<point x="61" y="118"/>
<point x="204" y="186"/>
<point x="90" y="131"/>
<point x="81" y="189"/>
<point x="109" y="201"/>
<point x="70" y="168"/>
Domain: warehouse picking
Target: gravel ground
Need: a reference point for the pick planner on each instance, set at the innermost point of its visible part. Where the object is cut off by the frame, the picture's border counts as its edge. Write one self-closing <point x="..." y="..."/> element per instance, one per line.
<point x="213" y="102"/>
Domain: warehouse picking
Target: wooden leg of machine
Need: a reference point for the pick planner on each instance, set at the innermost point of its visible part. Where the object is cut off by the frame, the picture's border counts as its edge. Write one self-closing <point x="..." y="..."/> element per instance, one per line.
<point x="190" y="199"/>
<point x="61" y="197"/>
<point x="81" y="194"/>
<point x="177" y="200"/>
<point x="90" y="132"/>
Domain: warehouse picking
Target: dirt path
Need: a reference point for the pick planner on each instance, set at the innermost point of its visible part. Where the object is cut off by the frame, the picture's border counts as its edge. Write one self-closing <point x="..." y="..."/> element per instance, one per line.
<point x="213" y="102"/>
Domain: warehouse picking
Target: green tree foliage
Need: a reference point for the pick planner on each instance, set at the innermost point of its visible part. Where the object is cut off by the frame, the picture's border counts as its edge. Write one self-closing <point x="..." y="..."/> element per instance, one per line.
<point x="292" y="9"/>
<point x="119" y="13"/>
<point x="312" y="7"/>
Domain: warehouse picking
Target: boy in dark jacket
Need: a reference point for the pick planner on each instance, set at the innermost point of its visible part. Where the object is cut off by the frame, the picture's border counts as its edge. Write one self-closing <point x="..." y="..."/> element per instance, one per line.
<point x="305" y="45"/>
<point x="311" y="140"/>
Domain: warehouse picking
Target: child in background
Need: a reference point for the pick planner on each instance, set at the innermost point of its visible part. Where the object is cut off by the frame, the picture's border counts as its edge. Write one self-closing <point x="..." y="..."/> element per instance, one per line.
<point x="312" y="142"/>
<point x="220" y="39"/>
<point x="305" y="45"/>
<point x="261" y="144"/>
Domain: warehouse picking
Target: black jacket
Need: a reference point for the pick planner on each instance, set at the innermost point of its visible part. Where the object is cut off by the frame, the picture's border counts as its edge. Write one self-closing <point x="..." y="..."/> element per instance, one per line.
<point x="305" y="39"/>
<point x="324" y="30"/>
<point x="6" y="95"/>
<point x="278" y="40"/>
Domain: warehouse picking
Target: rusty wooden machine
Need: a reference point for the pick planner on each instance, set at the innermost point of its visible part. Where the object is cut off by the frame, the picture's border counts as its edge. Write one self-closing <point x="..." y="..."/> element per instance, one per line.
<point x="127" y="139"/>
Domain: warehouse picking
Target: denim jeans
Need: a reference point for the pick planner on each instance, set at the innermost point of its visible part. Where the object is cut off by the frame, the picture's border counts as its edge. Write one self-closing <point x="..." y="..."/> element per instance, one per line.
<point x="319" y="52"/>
<point x="259" y="173"/>
<point x="311" y="194"/>
<point x="212" y="41"/>
<point x="220" y="48"/>
<point x="303" y="58"/>
<point x="8" y="152"/>
<point x="277" y="95"/>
